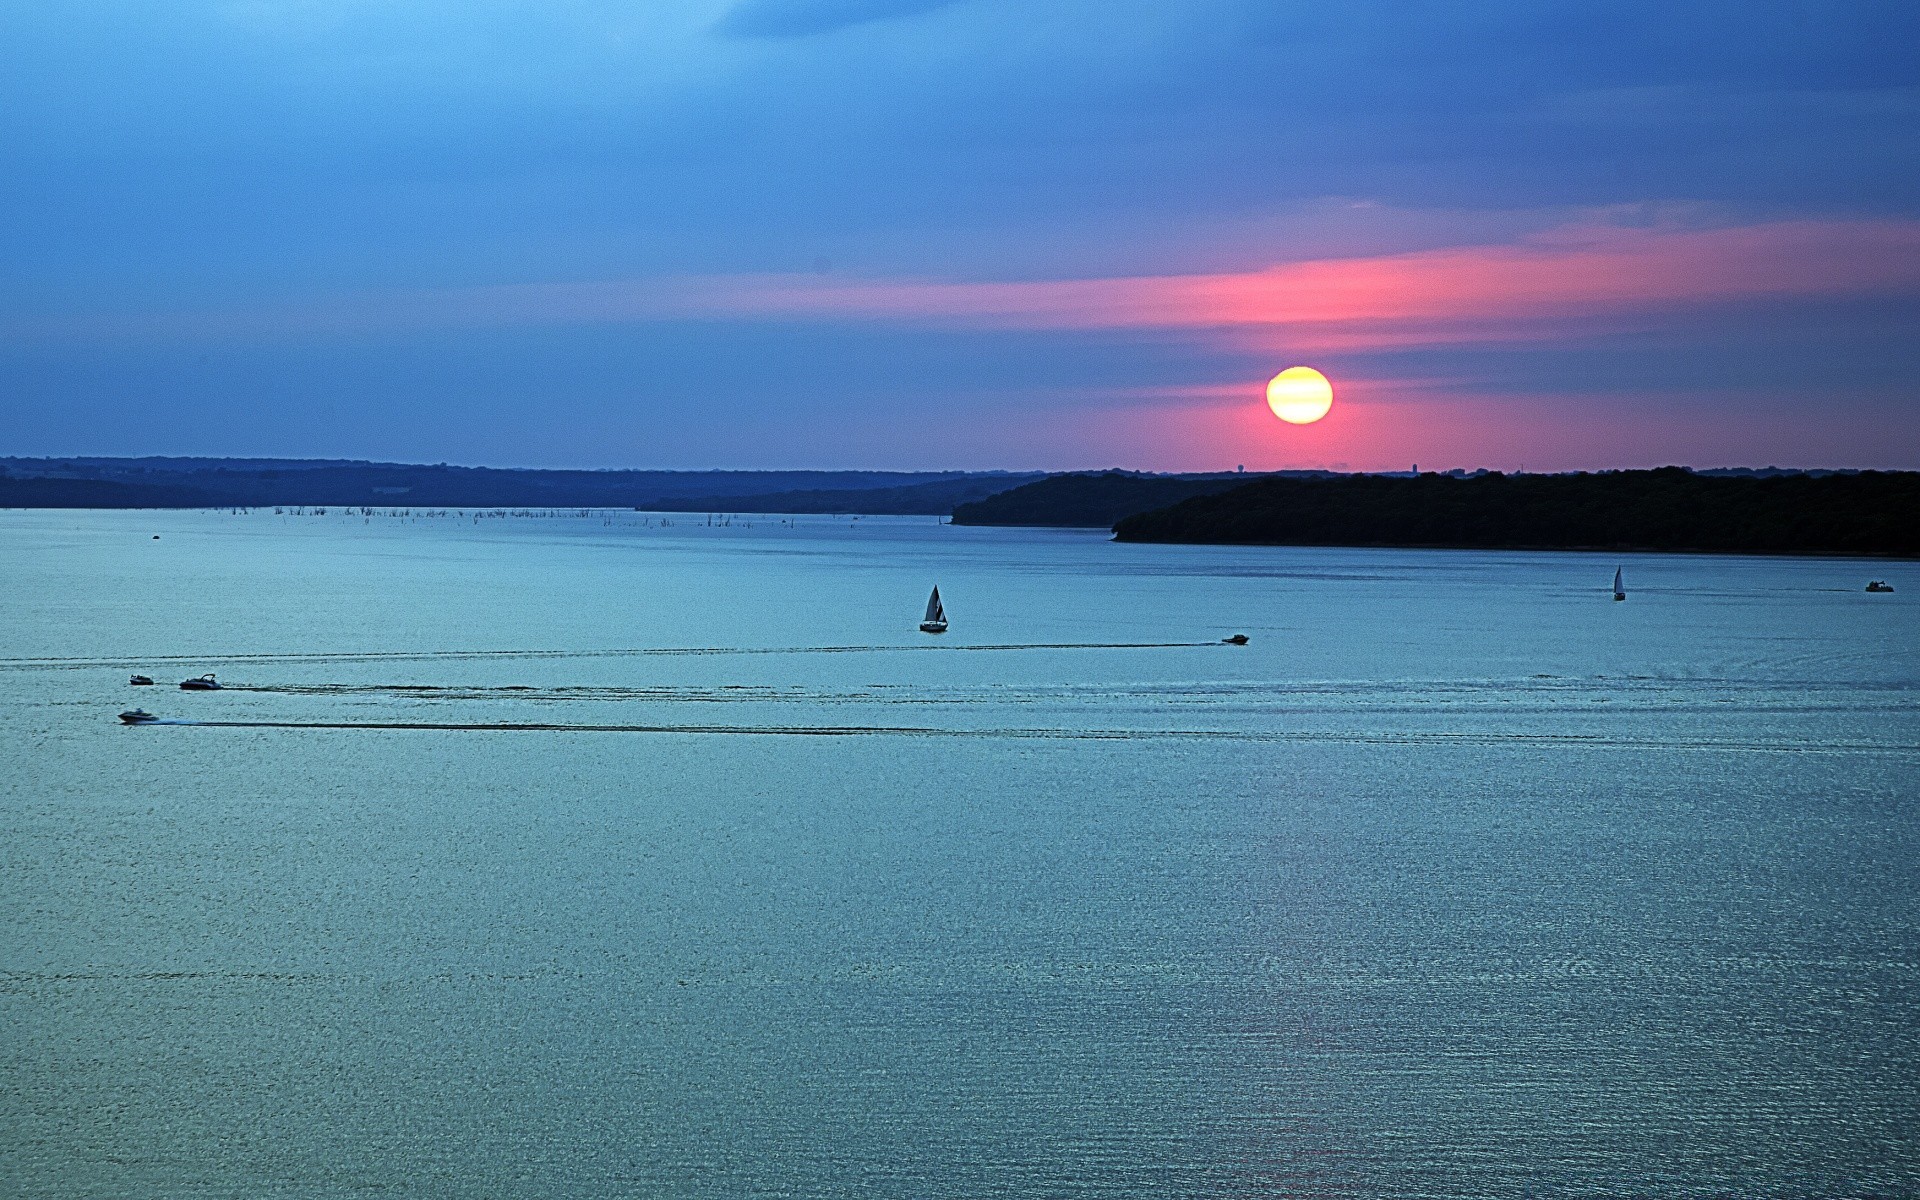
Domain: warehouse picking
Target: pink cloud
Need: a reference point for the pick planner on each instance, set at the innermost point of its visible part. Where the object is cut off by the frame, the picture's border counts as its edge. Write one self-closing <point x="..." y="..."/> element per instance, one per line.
<point x="1467" y="293"/>
<point x="1507" y="292"/>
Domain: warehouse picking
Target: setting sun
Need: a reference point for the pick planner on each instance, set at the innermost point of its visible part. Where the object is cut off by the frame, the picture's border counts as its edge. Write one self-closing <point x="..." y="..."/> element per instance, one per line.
<point x="1299" y="395"/>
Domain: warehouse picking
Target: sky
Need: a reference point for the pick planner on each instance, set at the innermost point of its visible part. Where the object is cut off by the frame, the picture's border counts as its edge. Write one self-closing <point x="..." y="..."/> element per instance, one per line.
<point x="945" y="234"/>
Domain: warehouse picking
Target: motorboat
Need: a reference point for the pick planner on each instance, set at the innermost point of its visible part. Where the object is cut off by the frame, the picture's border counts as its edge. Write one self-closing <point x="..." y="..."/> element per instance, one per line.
<point x="141" y="681"/>
<point x="204" y="683"/>
<point x="1879" y="585"/>
<point x="137" y="716"/>
<point x="936" y="619"/>
<point x="1238" y="639"/>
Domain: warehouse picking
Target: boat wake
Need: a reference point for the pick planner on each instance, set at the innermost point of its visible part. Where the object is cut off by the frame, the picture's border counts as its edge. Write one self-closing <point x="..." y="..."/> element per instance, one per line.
<point x="1325" y="697"/>
<point x="52" y="664"/>
<point x="1436" y="739"/>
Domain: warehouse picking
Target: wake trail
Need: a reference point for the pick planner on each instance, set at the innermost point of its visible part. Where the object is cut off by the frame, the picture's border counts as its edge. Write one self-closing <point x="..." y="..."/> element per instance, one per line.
<point x="1509" y="741"/>
<point x="54" y="664"/>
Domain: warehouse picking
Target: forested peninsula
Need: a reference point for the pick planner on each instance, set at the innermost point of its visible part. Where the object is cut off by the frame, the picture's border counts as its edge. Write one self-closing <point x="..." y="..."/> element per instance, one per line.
<point x="1864" y="513"/>
<point x="1089" y="500"/>
<point x="233" y="482"/>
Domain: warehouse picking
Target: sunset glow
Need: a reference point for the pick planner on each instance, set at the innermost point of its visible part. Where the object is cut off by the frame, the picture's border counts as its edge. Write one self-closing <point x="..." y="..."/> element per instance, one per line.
<point x="1299" y="395"/>
<point x="1601" y="230"/>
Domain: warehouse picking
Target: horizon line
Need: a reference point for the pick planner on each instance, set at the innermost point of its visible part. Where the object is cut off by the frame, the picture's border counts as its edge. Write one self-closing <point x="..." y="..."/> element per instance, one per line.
<point x="1339" y="469"/>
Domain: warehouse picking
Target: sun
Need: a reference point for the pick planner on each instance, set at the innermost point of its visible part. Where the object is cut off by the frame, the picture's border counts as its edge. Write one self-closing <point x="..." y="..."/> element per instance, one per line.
<point x="1299" y="395"/>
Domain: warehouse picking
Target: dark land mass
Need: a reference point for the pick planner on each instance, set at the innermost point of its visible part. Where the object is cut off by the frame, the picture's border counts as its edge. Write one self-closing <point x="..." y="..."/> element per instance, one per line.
<point x="249" y="483"/>
<point x="938" y="497"/>
<point x="1865" y="513"/>
<point x="1093" y="501"/>
<point x="96" y="493"/>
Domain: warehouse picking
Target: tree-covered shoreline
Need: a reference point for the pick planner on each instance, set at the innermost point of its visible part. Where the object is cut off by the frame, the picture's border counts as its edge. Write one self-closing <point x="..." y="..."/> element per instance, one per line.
<point x="1874" y="513"/>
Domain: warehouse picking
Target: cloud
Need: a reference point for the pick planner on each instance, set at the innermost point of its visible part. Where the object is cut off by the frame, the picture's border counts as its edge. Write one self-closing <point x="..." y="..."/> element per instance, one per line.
<point x="810" y="18"/>
<point x="1569" y="272"/>
<point x="1566" y="283"/>
<point x="1515" y="291"/>
<point x="353" y="143"/>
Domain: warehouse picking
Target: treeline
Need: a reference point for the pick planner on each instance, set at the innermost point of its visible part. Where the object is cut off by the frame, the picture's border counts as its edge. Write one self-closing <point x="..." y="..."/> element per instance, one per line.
<point x="98" y="493"/>
<point x="1869" y="513"/>
<point x="256" y="483"/>
<point x="1093" y="501"/>
<point x="939" y="497"/>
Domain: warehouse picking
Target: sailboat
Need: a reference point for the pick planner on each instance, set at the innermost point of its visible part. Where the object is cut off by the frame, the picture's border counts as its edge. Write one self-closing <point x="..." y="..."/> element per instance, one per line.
<point x="936" y="618"/>
<point x="1619" y="593"/>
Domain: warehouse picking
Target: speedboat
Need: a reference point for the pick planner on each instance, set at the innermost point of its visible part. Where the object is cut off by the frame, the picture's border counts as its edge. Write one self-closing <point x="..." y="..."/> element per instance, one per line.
<point x="140" y="681"/>
<point x="1879" y="585"/>
<point x="1238" y="639"/>
<point x="205" y="683"/>
<point x="137" y="716"/>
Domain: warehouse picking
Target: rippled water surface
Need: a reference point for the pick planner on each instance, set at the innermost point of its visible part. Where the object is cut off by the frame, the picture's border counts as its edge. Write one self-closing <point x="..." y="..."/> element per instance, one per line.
<point x="582" y="856"/>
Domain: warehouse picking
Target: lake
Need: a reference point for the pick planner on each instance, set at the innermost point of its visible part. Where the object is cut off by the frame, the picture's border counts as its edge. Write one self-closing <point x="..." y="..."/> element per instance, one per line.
<point x="562" y="855"/>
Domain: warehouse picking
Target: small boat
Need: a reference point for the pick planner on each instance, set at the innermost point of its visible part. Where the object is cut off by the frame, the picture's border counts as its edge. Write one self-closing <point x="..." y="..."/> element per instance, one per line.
<point x="1238" y="639"/>
<point x="936" y="618"/>
<point x="204" y="683"/>
<point x="140" y="681"/>
<point x="1619" y="592"/>
<point x="137" y="716"/>
<point x="1879" y="585"/>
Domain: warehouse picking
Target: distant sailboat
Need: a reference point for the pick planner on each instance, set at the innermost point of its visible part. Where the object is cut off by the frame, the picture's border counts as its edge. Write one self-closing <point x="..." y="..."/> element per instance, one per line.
<point x="1619" y="592"/>
<point x="936" y="618"/>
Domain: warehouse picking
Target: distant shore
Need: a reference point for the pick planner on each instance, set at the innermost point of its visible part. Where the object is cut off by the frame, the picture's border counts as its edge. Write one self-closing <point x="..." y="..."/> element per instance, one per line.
<point x="1673" y="509"/>
<point x="1872" y="514"/>
<point x="253" y="483"/>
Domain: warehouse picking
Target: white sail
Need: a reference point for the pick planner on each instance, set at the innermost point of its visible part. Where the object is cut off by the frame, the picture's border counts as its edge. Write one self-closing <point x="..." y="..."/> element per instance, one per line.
<point x="1617" y="589"/>
<point x="936" y="614"/>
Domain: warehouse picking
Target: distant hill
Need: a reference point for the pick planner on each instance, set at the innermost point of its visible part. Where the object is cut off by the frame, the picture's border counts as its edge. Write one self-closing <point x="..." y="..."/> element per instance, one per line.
<point x="1095" y="501"/>
<point x="201" y="482"/>
<point x="1868" y="513"/>
<point x="938" y="497"/>
<point x="95" y="493"/>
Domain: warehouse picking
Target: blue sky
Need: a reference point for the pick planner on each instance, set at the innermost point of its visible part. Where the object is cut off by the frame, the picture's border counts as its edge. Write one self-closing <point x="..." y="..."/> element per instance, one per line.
<point x="908" y="233"/>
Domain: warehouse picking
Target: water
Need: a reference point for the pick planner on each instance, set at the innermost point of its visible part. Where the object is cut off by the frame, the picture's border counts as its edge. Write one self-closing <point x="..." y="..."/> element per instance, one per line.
<point x="1459" y="880"/>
